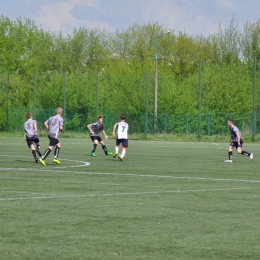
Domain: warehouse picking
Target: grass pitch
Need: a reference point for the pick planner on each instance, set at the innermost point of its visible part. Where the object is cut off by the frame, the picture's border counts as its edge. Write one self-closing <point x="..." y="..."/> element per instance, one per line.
<point x="167" y="200"/>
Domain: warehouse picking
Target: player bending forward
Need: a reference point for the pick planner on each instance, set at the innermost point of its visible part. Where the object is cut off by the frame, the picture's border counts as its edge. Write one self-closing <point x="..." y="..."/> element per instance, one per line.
<point x="122" y="137"/>
<point x="94" y="130"/>
<point x="54" y="125"/>
<point x="30" y="128"/>
<point x="236" y="142"/>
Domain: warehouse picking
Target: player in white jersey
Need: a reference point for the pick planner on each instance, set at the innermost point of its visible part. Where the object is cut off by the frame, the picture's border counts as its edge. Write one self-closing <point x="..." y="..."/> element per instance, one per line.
<point x="236" y="142"/>
<point x="54" y="125"/>
<point x="30" y="128"/>
<point x="122" y="137"/>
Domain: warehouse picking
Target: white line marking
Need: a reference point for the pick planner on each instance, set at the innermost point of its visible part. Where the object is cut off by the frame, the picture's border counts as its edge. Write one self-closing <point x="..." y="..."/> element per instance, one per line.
<point x="60" y="167"/>
<point x="124" y="194"/>
<point x="132" y="175"/>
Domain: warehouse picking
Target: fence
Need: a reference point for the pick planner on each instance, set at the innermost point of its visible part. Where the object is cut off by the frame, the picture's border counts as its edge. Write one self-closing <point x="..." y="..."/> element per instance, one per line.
<point x="84" y="96"/>
<point x="183" y="124"/>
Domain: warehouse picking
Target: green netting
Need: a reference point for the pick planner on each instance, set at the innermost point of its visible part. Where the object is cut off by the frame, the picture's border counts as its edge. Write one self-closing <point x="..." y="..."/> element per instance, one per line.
<point x="75" y="120"/>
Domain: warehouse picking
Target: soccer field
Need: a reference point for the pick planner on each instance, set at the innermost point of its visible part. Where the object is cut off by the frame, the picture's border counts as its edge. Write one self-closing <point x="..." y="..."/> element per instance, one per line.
<point x="167" y="200"/>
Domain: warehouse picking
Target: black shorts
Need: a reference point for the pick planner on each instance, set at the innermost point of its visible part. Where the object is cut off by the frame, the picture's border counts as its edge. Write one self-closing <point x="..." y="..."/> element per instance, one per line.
<point x="98" y="138"/>
<point x="123" y="141"/>
<point x="31" y="141"/>
<point x="235" y="144"/>
<point x="53" y="141"/>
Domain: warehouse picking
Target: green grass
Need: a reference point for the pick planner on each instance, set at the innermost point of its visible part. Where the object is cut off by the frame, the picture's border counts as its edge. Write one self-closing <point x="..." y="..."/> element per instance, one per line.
<point x="167" y="200"/>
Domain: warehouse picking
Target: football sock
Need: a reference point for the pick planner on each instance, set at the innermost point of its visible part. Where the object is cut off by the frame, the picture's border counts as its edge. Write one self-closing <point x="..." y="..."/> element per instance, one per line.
<point x="46" y="153"/>
<point x="94" y="148"/>
<point x="123" y="153"/>
<point x="245" y="153"/>
<point x="116" y="148"/>
<point x="230" y="156"/>
<point x="56" y="152"/>
<point x="34" y="154"/>
<point x="38" y="150"/>
<point x="104" y="148"/>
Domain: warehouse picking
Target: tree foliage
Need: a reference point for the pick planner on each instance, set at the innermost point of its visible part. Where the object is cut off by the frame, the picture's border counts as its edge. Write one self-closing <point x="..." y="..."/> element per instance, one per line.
<point x="116" y="63"/>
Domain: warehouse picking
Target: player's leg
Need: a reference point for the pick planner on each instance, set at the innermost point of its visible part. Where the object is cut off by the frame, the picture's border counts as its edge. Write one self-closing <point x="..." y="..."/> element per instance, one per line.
<point x="124" y="146"/>
<point x="56" y="153"/>
<point x="240" y="151"/>
<point x="116" y="148"/>
<point x="52" y="143"/>
<point x="104" y="147"/>
<point x="31" y="146"/>
<point x="94" y="146"/>
<point x="38" y="146"/>
<point x="230" y="154"/>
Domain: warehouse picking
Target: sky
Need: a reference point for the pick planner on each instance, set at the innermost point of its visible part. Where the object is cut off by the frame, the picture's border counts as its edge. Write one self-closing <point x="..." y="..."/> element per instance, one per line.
<point x="191" y="16"/>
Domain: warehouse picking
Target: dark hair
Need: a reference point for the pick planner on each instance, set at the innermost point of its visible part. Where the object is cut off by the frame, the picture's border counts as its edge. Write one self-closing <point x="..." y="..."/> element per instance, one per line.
<point x="100" y="116"/>
<point x="122" y="117"/>
<point x="29" y="115"/>
<point x="230" y="120"/>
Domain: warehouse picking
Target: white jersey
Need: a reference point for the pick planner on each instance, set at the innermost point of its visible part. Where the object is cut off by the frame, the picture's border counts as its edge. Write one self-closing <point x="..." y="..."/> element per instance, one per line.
<point x="122" y="130"/>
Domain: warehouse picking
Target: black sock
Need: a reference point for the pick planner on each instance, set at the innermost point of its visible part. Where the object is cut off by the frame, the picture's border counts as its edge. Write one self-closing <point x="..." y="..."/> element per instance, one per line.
<point x="230" y="156"/>
<point x="245" y="153"/>
<point x="94" y="148"/>
<point x="104" y="148"/>
<point x="46" y="153"/>
<point x="56" y="152"/>
<point x="34" y="154"/>
<point x="38" y="150"/>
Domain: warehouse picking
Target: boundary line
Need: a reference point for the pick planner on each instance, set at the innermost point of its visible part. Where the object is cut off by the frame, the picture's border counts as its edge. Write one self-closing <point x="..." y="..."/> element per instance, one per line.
<point x="123" y="194"/>
<point x="132" y="175"/>
<point x="60" y="167"/>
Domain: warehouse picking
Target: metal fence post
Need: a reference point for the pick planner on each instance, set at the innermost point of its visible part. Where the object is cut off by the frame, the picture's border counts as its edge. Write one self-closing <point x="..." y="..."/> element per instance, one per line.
<point x="97" y="85"/>
<point x="199" y="97"/>
<point x="208" y="123"/>
<point x="64" y="98"/>
<point x="187" y="124"/>
<point x="7" y="98"/>
<point x="146" y="107"/>
<point x="165" y="123"/>
<point x="34" y="94"/>
<point x="254" y="112"/>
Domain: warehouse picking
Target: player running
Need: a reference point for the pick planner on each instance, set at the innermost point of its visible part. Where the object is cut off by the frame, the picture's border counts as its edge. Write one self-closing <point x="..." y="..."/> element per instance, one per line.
<point x="122" y="137"/>
<point x="30" y="128"/>
<point x="54" y="125"/>
<point x="236" y="142"/>
<point x="94" y="130"/>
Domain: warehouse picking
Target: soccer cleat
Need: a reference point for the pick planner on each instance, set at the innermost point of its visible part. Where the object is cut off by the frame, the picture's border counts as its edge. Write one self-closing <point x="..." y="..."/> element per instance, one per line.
<point x="93" y="154"/>
<point x="109" y="153"/>
<point x="56" y="161"/>
<point x="120" y="158"/>
<point x="228" y="161"/>
<point x="115" y="155"/>
<point x="42" y="162"/>
<point x="251" y="157"/>
<point x="36" y="159"/>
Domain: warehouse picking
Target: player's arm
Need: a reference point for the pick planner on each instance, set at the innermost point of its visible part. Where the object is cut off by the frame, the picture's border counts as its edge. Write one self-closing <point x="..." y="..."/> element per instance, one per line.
<point x="89" y="128"/>
<point x="61" y="128"/>
<point x="35" y="127"/>
<point x="238" y="139"/>
<point x="104" y="133"/>
<point x="46" y="124"/>
<point x="114" y="130"/>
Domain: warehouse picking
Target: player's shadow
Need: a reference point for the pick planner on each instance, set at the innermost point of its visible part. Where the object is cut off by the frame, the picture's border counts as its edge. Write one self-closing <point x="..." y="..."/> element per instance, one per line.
<point x="23" y="161"/>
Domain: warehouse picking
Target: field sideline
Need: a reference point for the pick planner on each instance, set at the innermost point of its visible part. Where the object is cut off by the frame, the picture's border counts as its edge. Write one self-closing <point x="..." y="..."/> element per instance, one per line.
<point x="167" y="200"/>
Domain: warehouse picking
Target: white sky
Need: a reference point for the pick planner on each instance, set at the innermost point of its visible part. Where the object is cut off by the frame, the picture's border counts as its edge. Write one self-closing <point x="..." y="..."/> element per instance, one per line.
<point x="191" y="16"/>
